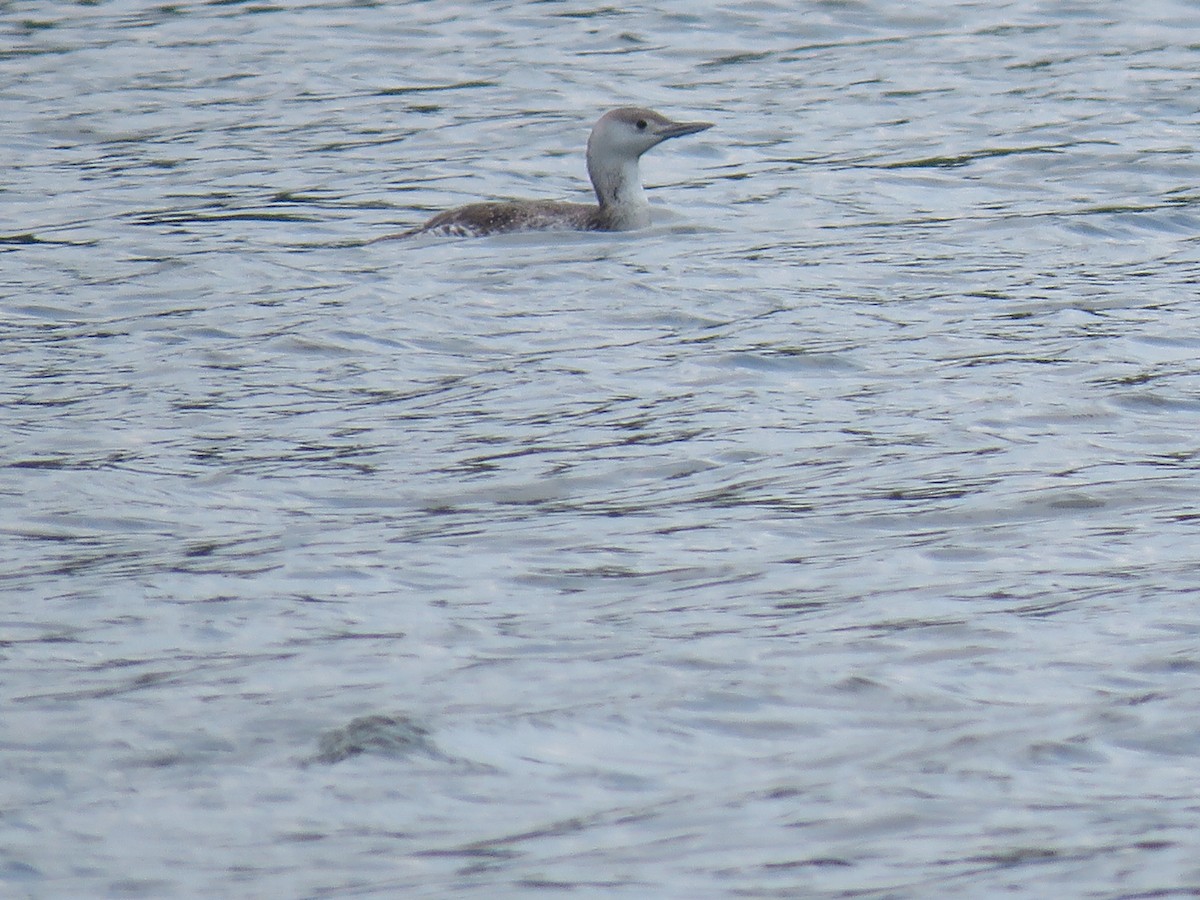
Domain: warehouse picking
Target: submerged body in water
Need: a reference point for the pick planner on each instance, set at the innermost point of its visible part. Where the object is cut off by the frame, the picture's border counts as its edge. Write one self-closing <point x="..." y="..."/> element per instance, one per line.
<point x="616" y="144"/>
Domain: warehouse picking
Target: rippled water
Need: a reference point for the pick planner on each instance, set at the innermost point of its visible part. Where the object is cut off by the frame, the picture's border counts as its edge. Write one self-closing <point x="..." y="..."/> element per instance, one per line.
<point x="837" y="536"/>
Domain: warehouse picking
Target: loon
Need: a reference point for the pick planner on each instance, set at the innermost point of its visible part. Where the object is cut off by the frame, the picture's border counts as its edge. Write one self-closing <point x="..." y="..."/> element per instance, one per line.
<point x="616" y="143"/>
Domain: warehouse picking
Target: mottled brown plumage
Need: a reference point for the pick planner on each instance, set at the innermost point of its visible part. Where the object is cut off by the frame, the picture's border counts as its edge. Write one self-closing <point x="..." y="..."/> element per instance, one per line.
<point x="518" y="215"/>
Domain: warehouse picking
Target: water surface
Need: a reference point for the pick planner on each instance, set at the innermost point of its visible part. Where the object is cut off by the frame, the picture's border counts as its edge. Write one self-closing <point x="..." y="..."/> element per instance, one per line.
<point x="836" y="536"/>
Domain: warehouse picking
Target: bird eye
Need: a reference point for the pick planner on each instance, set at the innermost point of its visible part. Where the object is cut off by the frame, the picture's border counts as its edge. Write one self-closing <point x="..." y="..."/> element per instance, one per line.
<point x="641" y="124"/>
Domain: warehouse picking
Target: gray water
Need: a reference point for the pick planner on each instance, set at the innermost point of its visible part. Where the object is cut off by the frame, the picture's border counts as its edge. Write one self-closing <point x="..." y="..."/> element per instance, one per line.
<point x="836" y="536"/>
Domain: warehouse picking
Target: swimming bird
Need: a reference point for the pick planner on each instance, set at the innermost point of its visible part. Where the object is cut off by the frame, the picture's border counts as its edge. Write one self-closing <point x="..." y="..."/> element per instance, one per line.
<point x="617" y="142"/>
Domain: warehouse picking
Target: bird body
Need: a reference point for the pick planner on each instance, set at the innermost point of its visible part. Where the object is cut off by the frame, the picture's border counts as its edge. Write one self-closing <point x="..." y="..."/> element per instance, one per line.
<point x="614" y="147"/>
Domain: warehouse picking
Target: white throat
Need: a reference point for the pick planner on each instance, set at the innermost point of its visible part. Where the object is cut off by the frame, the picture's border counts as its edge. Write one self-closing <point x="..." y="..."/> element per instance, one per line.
<point x="618" y="184"/>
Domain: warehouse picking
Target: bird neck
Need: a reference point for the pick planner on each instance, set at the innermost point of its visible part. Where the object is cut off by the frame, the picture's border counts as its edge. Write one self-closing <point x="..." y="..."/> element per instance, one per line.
<point x="618" y="185"/>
